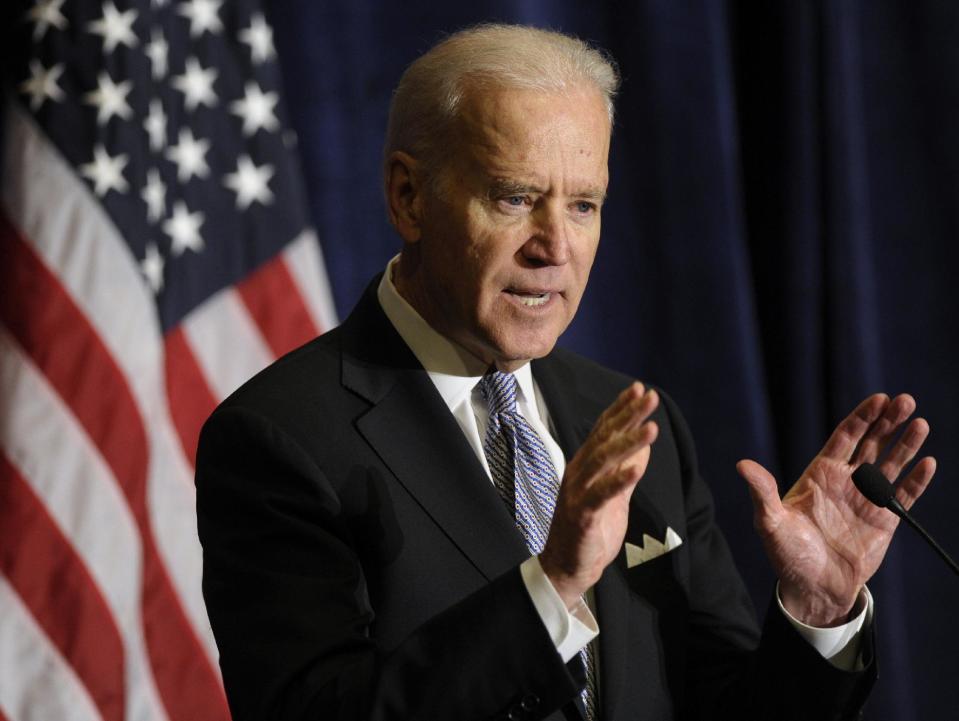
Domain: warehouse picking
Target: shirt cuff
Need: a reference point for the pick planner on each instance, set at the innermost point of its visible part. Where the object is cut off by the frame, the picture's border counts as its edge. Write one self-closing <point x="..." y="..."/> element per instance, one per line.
<point x="838" y="645"/>
<point x="570" y="629"/>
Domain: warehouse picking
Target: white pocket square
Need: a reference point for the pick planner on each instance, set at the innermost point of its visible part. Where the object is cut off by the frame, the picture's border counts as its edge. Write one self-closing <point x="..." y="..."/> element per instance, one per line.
<point x="651" y="548"/>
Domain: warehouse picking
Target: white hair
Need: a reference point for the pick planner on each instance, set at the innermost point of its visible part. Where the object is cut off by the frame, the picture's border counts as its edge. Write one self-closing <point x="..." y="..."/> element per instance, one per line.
<point x="431" y="90"/>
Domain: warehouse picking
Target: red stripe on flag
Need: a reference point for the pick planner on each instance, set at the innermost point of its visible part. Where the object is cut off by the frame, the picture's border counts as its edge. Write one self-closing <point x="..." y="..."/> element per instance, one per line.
<point x="66" y="348"/>
<point x="273" y="299"/>
<point x="191" y="400"/>
<point x="54" y="584"/>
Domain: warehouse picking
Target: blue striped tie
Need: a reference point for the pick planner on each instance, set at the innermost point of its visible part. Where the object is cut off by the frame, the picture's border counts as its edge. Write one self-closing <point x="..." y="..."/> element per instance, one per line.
<point x="526" y="479"/>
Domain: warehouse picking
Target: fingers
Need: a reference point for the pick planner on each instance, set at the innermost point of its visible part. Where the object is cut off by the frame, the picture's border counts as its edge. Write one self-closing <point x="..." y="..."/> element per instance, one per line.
<point x="905" y="449"/>
<point x="884" y="429"/>
<point x="864" y="433"/>
<point x="622" y="454"/>
<point x="916" y="482"/>
<point x="848" y="434"/>
<point x="618" y="478"/>
<point x="764" y="491"/>
<point x="617" y="450"/>
<point x="626" y="429"/>
<point x="627" y="397"/>
<point x="628" y="412"/>
<point x="631" y="407"/>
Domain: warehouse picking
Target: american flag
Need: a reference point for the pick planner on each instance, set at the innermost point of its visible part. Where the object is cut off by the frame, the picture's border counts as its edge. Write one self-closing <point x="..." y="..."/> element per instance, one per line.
<point x="155" y="254"/>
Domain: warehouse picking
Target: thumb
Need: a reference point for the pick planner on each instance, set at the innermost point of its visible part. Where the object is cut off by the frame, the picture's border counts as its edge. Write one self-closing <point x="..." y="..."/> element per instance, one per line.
<point x="764" y="491"/>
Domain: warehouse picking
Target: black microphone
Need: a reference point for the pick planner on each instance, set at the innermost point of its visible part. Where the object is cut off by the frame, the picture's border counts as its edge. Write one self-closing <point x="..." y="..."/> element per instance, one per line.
<point x="874" y="486"/>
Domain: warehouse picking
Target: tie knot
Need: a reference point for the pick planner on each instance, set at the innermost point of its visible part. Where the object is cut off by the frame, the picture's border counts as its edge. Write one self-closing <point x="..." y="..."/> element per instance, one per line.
<point x="499" y="391"/>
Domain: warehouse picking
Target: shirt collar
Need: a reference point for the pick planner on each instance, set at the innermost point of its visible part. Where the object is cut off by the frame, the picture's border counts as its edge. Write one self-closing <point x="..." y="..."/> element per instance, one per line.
<point x="453" y="369"/>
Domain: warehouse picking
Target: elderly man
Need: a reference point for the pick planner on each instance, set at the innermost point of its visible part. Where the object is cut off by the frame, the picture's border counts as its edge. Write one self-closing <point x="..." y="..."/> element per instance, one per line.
<point x="432" y="513"/>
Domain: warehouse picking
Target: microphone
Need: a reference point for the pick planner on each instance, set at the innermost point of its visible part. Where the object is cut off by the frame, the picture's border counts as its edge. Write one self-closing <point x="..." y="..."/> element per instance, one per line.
<point x="879" y="491"/>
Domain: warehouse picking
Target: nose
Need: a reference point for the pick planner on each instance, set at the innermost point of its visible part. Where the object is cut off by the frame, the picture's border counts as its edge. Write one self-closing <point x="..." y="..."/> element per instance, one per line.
<point x="548" y="243"/>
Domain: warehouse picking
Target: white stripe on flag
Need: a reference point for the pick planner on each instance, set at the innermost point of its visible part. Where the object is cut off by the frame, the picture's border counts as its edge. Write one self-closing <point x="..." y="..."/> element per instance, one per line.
<point x="92" y="514"/>
<point x="26" y="655"/>
<point x="226" y="342"/>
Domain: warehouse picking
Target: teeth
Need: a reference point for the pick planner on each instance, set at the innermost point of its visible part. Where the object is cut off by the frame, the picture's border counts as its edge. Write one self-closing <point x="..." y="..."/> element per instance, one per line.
<point x="533" y="300"/>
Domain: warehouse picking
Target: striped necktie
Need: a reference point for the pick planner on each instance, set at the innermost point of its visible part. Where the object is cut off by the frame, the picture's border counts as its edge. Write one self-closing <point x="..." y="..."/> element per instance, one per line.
<point x="526" y="479"/>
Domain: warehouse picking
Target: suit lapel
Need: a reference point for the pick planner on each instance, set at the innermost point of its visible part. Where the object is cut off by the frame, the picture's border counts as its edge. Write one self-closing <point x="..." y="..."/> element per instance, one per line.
<point x="413" y="432"/>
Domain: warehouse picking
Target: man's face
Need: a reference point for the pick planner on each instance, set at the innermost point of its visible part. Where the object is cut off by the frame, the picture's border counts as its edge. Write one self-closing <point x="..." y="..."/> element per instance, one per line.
<point x="505" y="247"/>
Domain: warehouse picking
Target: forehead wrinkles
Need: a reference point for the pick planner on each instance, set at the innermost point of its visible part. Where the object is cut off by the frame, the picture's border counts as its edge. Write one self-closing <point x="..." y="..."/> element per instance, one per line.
<point x="486" y="129"/>
<point x="500" y="132"/>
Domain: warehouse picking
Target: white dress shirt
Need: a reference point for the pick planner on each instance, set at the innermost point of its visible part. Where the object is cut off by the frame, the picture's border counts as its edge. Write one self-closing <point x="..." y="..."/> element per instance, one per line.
<point x="456" y="372"/>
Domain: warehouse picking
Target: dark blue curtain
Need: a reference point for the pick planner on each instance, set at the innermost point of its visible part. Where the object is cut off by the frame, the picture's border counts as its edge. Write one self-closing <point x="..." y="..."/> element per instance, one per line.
<point x="780" y="238"/>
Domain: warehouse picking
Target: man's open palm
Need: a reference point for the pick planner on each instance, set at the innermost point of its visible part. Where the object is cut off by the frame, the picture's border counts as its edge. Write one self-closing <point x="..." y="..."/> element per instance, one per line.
<point x="824" y="539"/>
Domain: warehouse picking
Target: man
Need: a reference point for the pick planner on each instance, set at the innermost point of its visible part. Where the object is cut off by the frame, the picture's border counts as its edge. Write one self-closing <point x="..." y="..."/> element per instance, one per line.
<point x="385" y="531"/>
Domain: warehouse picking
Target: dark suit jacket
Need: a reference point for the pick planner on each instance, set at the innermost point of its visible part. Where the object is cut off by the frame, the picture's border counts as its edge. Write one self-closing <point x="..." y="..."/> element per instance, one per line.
<point x="358" y="563"/>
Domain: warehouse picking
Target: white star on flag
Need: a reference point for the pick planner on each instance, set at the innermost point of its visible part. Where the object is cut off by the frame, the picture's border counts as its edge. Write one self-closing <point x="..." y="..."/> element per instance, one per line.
<point x="189" y="154"/>
<point x="155" y="125"/>
<point x="110" y="99"/>
<point x="259" y="36"/>
<point x="115" y="27"/>
<point x="42" y="84"/>
<point x="203" y="16"/>
<point x="154" y="195"/>
<point x="46" y="13"/>
<point x="184" y="229"/>
<point x="196" y="84"/>
<point x="256" y="109"/>
<point x="157" y="50"/>
<point x="152" y="267"/>
<point x="250" y="183"/>
<point x="106" y="172"/>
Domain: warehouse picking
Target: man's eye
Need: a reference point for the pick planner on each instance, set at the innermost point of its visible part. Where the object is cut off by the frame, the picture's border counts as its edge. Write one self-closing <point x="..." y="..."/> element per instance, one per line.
<point x="584" y="207"/>
<point x="512" y="203"/>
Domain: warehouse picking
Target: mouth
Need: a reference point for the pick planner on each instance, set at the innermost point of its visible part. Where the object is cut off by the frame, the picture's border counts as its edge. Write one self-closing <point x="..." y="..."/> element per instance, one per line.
<point x="531" y="298"/>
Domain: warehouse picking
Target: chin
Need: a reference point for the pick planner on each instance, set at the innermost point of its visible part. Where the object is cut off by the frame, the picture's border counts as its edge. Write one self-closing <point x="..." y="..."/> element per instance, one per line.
<point x="517" y="352"/>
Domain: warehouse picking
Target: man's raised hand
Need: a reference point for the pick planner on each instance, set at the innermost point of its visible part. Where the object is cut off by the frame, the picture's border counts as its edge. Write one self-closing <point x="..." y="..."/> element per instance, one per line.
<point x="592" y="510"/>
<point x="824" y="539"/>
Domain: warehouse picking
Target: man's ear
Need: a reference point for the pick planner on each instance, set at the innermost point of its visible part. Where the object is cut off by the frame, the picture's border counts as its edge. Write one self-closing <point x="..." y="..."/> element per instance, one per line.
<point x="404" y="195"/>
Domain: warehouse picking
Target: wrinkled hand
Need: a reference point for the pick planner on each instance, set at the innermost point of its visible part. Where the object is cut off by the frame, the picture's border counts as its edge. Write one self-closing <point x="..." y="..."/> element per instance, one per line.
<point x="824" y="539"/>
<point x="592" y="509"/>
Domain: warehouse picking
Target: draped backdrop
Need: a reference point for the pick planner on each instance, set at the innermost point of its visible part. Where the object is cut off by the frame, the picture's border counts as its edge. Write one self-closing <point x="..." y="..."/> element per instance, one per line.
<point x="779" y="241"/>
<point x="780" y="238"/>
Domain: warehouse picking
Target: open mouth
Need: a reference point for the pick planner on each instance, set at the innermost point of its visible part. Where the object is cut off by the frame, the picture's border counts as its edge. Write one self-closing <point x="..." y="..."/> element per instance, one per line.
<point x="530" y="299"/>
